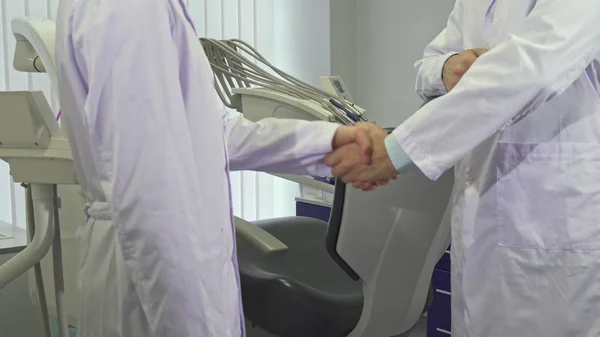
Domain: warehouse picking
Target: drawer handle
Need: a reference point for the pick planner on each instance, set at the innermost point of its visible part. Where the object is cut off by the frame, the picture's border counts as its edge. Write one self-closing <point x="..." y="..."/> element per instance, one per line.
<point x="443" y="292"/>
<point x="443" y="331"/>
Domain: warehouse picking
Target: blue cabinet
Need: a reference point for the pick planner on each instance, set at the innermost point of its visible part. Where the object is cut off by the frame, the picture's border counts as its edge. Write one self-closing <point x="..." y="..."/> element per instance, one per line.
<point x="439" y="315"/>
<point x="313" y="209"/>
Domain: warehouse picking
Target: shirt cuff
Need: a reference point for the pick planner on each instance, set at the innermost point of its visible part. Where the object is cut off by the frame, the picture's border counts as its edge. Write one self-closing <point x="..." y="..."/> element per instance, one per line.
<point x="431" y="82"/>
<point x="399" y="158"/>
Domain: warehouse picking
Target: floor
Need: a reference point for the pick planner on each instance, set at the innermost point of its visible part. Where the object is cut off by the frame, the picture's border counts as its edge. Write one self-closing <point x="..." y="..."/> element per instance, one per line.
<point x="19" y="317"/>
<point x="419" y="331"/>
<point x="54" y="329"/>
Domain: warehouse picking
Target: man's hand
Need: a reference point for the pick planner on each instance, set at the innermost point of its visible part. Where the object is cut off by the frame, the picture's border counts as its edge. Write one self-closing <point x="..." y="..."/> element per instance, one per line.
<point x="456" y="66"/>
<point x="346" y="161"/>
<point x="359" y="138"/>
<point x="357" y="144"/>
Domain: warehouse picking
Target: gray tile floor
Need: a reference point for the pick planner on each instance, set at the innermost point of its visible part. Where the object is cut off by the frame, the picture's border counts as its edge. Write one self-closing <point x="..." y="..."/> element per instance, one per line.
<point x="420" y="330"/>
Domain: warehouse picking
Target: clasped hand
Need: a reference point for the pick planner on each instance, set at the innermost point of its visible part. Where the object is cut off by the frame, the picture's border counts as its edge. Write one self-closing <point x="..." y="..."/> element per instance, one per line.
<point x="360" y="157"/>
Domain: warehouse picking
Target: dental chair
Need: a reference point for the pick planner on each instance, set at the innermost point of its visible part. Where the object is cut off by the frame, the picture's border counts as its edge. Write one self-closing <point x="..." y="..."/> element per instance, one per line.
<point x="367" y="273"/>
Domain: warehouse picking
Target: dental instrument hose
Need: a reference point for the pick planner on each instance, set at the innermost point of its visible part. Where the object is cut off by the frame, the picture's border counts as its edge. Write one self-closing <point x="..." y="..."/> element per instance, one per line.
<point x="231" y="69"/>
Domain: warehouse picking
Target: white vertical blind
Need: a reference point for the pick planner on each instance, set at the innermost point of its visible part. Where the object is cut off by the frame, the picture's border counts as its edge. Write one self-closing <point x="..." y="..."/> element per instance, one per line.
<point x="255" y="195"/>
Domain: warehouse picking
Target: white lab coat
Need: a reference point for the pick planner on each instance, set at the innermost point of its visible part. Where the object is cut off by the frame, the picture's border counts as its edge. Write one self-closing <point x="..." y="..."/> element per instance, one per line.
<point x="523" y="128"/>
<point x="150" y="147"/>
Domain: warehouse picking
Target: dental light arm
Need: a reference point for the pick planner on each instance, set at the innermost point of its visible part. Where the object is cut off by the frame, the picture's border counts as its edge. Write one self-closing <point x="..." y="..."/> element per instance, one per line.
<point x="38" y="154"/>
<point x="34" y="51"/>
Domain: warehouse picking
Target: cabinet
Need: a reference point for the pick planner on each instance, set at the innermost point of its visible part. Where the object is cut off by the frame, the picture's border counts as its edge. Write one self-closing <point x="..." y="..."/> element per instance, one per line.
<point x="439" y="315"/>
<point x="315" y="209"/>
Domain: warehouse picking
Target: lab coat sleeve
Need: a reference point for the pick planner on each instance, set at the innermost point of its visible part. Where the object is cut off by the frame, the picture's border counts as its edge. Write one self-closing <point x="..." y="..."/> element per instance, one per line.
<point x="543" y="56"/>
<point x="279" y="145"/>
<point x="126" y="51"/>
<point x="448" y="43"/>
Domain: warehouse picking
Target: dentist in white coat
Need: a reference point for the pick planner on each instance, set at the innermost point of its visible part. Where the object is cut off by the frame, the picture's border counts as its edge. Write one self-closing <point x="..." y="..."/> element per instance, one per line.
<point x="522" y="128"/>
<point x="153" y="154"/>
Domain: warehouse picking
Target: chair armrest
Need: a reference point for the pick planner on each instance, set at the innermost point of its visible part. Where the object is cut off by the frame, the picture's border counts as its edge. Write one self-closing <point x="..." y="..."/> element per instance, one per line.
<point x="258" y="238"/>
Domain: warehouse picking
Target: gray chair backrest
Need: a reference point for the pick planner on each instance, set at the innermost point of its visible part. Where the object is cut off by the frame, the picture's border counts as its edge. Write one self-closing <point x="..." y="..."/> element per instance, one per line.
<point x="391" y="239"/>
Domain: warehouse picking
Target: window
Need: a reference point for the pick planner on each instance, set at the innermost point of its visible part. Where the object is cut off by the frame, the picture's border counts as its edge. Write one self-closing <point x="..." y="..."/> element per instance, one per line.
<point x="255" y="195"/>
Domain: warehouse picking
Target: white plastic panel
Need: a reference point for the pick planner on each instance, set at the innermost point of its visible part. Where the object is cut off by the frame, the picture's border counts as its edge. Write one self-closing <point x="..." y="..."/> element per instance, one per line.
<point x="20" y="126"/>
<point x="392" y="238"/>
<point x="257" y="108"/>
<point x="258" y="104"/>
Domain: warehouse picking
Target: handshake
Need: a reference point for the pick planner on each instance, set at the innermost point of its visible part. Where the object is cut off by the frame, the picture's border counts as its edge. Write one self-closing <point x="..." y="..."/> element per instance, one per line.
<point x="359" y="155"/>
<point x="360" y="158"/>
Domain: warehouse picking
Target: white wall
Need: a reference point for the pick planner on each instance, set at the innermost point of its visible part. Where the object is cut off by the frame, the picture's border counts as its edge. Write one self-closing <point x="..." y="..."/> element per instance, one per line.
<point x="344" y="40"/>
<point x="302" y="38"/>
<point x="390" y="36"/>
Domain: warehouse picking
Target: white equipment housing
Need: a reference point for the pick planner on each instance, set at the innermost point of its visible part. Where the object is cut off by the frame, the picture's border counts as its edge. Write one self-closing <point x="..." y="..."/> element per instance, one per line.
<point x="38" y="154"/>
<point x="32" y="143"/>
<point x="261" y="103"/>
